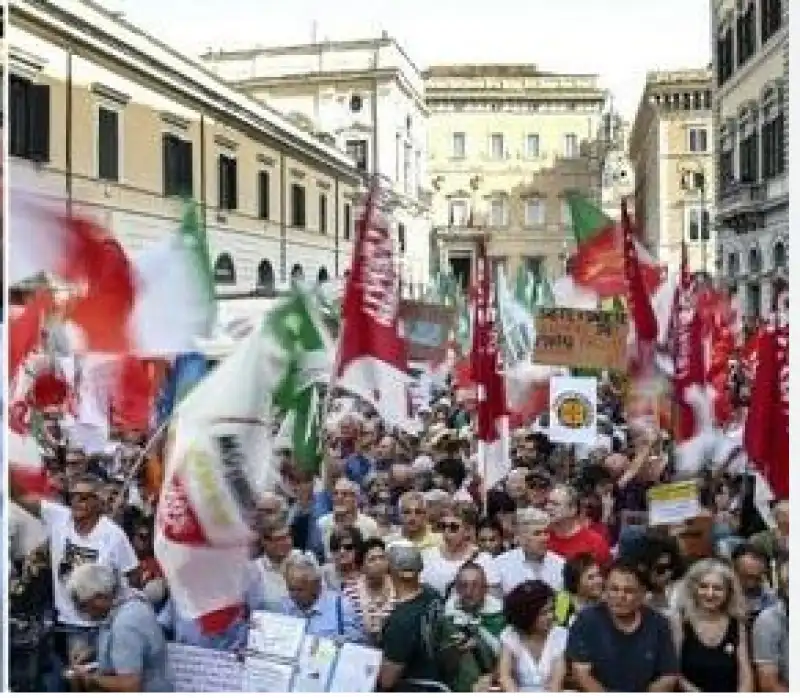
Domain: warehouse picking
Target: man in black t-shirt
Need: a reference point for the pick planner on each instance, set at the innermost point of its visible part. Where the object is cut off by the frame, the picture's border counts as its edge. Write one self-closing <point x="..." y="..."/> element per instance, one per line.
<point x="409" y="636"/>
<point x="621" y="645"/>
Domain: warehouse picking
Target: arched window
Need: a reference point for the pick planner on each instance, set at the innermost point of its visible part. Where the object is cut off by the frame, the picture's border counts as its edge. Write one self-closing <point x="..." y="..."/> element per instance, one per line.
<point x="733" y="263"/>
<point x="322" y="275"/>
<point x="224" y="271"/>
<point x="754" y="260"/>
<point x="265" y="277"/>
<point x="297" y="273"/>
<point x="779" y="254"/>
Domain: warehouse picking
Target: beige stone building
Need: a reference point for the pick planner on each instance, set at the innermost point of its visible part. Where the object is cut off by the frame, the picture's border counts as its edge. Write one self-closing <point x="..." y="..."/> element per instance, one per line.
<point x="366" y="97"/>
<point x="121" y="127"/>
<point x="505" y="144"/>
<point x="672" y="151"/>
<point x="750" y="45"/>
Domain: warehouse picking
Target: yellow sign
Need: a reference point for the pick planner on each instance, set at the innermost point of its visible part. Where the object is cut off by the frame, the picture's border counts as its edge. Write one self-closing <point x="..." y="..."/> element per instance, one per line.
<point x="574" y="411"/>
<point x="673" y="503"/>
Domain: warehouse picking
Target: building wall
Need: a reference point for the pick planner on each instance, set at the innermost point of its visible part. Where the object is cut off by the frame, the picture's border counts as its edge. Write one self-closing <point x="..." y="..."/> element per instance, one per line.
<point x="495" y="102"/>
<point x="663" y="159"/>
<point x="135" y="207"/>
<point x="752" y="216"/>
<point x="318" y="81"/>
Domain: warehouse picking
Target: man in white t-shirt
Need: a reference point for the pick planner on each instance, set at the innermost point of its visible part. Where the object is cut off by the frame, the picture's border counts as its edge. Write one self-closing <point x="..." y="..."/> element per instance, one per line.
<point x="78" y="534"/>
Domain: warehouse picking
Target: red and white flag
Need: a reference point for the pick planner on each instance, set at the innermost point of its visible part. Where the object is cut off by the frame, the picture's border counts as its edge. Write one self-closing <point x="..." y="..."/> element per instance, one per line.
<point x="372" y="357"/>
<point x="492" y="425"/>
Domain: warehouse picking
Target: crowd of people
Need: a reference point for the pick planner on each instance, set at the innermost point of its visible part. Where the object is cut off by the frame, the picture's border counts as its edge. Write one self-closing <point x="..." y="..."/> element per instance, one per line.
<point x="551" y="580"/>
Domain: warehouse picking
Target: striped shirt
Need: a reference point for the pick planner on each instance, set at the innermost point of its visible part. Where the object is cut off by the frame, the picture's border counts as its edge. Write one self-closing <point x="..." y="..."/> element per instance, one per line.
<point x="372" y="609"/>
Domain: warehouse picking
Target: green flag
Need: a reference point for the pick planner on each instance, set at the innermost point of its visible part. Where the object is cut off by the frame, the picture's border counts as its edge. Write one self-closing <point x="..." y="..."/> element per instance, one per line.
<point x="194" y="238"/>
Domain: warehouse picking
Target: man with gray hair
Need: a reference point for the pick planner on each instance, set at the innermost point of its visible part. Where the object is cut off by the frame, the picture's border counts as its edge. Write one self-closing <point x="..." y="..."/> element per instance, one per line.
<point x="132" y="652"/>
<point x="329" y="613"/>
<point x="530" y="560"/>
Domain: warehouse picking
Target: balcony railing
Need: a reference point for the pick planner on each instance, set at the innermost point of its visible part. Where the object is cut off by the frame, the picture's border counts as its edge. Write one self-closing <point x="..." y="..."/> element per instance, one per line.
<point x="741" y="195"/>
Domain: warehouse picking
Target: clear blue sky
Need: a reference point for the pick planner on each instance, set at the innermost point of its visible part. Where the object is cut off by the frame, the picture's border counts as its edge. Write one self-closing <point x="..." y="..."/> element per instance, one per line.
<point x="619" y="39"/>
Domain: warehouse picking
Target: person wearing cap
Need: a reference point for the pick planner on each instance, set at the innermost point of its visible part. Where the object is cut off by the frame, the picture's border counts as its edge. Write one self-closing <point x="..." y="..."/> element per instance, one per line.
<point x="531" y="560"/>
<point x="409" y="655"/>
<point x="77" y="534"/>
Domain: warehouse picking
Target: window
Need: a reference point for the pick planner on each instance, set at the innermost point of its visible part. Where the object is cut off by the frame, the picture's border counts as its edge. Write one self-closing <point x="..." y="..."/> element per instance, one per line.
<point x="459" y="145"/>
<point x="534" y="265"/>
<point x="224" y="271"/>
<point x="177" y="165"/>
<point x="773" y="135"/>
<point x="227" y="183"/>
<point x="725" y="169"/>
<point x="298" y="206"/>
<point x="401" y="238"/>
<point x="754" y="260"/>
<point x="779" y="255"/>
<point x="265" y="277"/>
<point x="108" y="144"/>
<point x="746" y="34"/>
<point x="497" y="212"/>
<point x="497" y="146"/>
<point x="357" y="150"/>
<point x="698" y="140"/>
<point x="754" y="300"/>
<point x="322" y="275"/>
<point x="748" y="158"/>
<point x="458" y="213"/>
<point x="263" y="195"/>
<point x="356" y="103"/>
<point x="534" y="212"/>
<point x="725" y="57"/>
<point x="297" y="274"/>
<point x="771" y="18"/>
<point x="348" y="221"/>
<point x="570" y="145"/>
<point x="699" y="223"/>
<point x="733" y="263"/>
<point x="566" y="214"/>
<point x="323" y="214"/>
<point x="407" y="183"/>
<point x="29" y="120"/>
<point x="532" y="145"/>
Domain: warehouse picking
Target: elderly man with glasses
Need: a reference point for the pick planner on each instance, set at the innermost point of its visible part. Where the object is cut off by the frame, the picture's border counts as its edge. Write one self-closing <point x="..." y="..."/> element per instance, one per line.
<point x="132" y="651"/>
<point x="77" y="535"/>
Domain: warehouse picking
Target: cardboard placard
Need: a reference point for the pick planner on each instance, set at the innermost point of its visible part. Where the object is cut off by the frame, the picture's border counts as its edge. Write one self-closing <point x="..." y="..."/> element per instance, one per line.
<point x="581" y="338"/>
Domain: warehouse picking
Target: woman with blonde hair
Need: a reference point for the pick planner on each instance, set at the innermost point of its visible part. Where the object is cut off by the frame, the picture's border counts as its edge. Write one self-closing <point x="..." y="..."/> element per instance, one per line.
<point x="710" y="630"/>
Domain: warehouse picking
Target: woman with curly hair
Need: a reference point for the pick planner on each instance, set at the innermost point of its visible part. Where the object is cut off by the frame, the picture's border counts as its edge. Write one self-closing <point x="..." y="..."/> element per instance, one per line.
<point x="532" y="652"/>
<point x="710" y="630"/>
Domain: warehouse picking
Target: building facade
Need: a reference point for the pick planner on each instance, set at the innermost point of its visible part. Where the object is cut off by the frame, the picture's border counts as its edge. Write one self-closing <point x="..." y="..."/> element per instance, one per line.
<point x="672" y="152"/>
<point x="750" y="44"/>
<point x="366" y="97"/>
<point x="122" y="128"/>
<point x="506" y="143"/>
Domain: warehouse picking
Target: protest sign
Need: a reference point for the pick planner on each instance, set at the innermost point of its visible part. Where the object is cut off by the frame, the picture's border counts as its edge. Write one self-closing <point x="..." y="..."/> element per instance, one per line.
<point x="315" y="665"/>
<point x="356" y="670"/>
<point x="265" y="675"/>
<point x="673" y="503"/>
<point x="276" y="635"/>
<point x="200" y="670"/>
<point x="573" y="410"/>
<point x="581" y="338"/>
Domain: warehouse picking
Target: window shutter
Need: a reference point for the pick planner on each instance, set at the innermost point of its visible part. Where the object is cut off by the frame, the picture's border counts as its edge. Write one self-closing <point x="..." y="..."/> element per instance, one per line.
<point x="187" y="174"/>
<point x="233" y="196"/>
<point x="167" y="164"/>
<point x="39" y="123"/>
<point x="18" y="96"/>
<point x="108" y="144"/>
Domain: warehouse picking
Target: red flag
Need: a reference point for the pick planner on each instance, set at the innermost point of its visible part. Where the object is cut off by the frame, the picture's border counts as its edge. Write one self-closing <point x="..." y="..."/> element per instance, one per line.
<point x="372" y="353"/>
<point x="492" y="406"/>
<point x="766" y="433"/>
<point x="133" y="395"/>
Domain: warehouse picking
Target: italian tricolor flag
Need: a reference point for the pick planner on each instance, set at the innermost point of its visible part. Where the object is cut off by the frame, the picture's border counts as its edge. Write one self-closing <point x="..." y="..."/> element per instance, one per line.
<point x="598" y="263"/>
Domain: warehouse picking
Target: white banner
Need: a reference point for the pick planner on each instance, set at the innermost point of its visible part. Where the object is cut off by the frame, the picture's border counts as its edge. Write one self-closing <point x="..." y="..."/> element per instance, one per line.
<point x="573" y="410"/>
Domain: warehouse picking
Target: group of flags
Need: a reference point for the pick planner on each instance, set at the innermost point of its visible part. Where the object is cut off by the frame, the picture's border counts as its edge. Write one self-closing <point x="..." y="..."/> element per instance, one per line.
<point x="131" y="325"/>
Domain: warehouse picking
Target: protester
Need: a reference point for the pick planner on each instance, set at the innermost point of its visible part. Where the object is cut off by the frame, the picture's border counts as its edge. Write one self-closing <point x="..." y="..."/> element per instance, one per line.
<point x="132" y="653"/>
<point x="771" y="639"/>
<point x="347" y="552"/>
<point x="583" y="586"/>
<point x="532" y="658"/>
<point x="372" y="593"/>
<point x="569" y="536"/>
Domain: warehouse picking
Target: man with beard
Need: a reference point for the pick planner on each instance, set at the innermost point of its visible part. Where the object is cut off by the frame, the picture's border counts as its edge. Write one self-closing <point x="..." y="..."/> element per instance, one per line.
<point x="621" y="645"/>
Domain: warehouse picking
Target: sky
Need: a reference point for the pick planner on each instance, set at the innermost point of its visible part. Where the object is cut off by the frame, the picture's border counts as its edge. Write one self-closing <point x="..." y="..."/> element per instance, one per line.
<point x="620" y="40"/>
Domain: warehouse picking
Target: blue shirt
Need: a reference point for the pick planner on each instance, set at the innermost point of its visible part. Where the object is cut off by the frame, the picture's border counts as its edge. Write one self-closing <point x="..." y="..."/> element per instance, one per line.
<point x="189" y="632"/>
<point x="332" y="616"/>
<point x="357" y="467"/>
<point x="132" y="642"/>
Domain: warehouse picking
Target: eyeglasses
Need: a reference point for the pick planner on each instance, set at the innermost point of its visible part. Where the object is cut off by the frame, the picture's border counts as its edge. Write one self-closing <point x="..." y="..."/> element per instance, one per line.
<point x="451" y="526"/>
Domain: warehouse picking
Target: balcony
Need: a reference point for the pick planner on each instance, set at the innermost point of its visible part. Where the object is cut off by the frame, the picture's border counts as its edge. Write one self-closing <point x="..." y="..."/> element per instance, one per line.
<point x="740" y="197"/>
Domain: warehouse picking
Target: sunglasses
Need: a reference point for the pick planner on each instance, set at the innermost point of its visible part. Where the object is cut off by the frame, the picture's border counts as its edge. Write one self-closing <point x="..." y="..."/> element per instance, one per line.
<point x="451" y="526"/>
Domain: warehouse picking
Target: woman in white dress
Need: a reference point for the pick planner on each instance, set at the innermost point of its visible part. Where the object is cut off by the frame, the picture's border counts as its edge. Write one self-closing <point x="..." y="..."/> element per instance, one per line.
<point x="532" y="652"/>
<point x="442" y="563"/>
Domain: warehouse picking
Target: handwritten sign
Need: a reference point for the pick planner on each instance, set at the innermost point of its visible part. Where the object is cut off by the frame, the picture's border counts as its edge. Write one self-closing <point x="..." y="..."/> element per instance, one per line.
<point x="264" y="675"/>
<point x="581" y="338"/>
<point x="356" y="671"/>
<point x="673" y="503"/>
<point x="200" y="670"/>
<point x="315" y="665"/>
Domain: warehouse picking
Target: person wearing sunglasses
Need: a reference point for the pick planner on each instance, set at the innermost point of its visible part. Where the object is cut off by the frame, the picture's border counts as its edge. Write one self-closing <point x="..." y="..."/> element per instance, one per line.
<point x="77" y="535"/>
<point x="132" y="651"/>
<point x="347" y="551"/>
<point x="372" y="593"/>
<point x="442" y="563"/>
